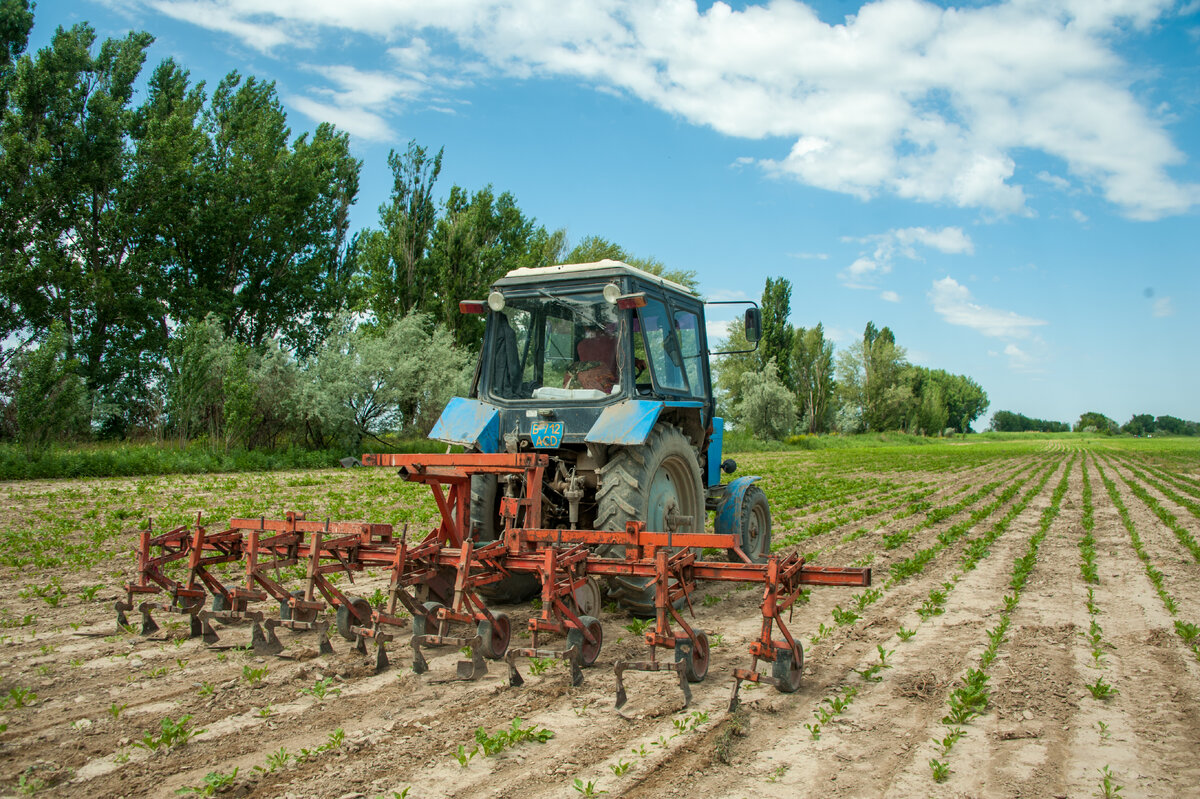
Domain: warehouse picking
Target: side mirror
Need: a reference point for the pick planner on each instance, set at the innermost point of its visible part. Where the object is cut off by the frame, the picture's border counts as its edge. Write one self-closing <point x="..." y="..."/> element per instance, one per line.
<point x="753" y="325"/>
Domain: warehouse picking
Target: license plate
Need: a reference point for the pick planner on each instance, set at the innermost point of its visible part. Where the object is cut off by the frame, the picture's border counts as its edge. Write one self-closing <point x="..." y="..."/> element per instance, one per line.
<point x="546" y="435"/>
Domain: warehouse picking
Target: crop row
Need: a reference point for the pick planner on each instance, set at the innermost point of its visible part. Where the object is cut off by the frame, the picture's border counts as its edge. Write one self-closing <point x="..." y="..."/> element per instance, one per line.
<point x="970" y="699"/>
<point x="1187" y="631"/>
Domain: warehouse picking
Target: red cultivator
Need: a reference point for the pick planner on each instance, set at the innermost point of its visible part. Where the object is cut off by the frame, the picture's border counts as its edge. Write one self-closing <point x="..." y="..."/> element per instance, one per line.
<point x="438" y="580"/>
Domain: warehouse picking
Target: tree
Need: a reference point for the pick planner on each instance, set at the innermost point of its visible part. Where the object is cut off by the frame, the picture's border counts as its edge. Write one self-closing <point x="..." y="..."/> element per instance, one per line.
<point x="812" y="366"/>
<point x="777" y="333"/>
<point x="594" y="248"/>
<point x="66" y="230"/>
<point x="51" y="399"/>
<point x="1139" y="424"/>
<point x="869" y="380"/>
<point x="731" y="368"/>
<point x="1170" y="425"/>
<point x="274" y="220"/>
<point x="365" y="381"/>
<point x="476" y="241"/>
<point x="16" y="21"/>
<point x="1095" y="422"/>
<point x="396" y="273"/>
<point x="1009" y="422"/>
<point x="941" y="400"/>
<point x="767" y="407"/>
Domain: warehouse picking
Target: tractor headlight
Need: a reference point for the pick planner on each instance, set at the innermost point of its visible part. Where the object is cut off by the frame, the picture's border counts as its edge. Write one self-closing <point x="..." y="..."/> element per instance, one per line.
<point x="611" y="292"/>
<point x="496" y="301"/>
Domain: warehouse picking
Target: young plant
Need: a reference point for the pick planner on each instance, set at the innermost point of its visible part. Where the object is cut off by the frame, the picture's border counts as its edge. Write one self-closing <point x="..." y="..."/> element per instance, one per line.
<point x="171" y="734"/>
<point x="940" y="768"/>
<point x="254" y="676"/>
<point x="620" y="767"/>
<point x="1109" y="788"/>
<point x="214" y="782"/>
<point x="587" y="788"/>
<point x="1101" y="690"/>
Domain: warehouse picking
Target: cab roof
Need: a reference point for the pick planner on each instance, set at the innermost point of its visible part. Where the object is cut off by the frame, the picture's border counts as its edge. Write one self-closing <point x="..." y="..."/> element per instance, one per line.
<point x="599" y="269"/>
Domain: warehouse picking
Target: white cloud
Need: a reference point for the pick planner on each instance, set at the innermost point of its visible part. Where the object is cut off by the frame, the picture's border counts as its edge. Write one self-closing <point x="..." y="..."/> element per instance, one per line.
<point x="1163" y="307"/>
<point x="889" y="296"/>
<point x="358" y="100"/>
<point x="866" y="270"/>
<point x="953" y="302"/>
<point x="809" y="256"/>
<point x="1079" y="216"/>
<point x="1056" y="181"/>
<point x="904" y="97"/>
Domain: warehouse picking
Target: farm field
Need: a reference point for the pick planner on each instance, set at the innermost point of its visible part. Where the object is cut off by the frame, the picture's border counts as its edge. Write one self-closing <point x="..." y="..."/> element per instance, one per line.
<point x="1033" y="630"/>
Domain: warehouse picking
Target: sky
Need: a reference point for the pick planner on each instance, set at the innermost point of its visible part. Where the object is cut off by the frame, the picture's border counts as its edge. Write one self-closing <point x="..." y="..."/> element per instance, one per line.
<point x="1012" y="187"/>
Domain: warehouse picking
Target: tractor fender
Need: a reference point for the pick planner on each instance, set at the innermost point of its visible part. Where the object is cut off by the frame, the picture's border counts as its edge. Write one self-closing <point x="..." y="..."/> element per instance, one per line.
<point x="470" y="423"/>
<point x="729" y="509"/>
<point x="626" y="423"/>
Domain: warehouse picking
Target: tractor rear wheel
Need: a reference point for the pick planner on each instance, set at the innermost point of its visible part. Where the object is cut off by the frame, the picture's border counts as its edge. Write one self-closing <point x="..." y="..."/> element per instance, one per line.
<point x="650" y="484"/>
<point x="484" y="527"/>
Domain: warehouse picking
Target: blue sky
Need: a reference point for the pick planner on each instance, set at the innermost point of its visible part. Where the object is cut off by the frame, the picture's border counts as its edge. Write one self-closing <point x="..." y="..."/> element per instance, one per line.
<point x="1012" y="187"/>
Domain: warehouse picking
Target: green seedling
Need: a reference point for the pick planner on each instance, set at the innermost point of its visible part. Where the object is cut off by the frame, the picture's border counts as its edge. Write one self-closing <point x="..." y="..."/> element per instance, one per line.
<point x="587" y="788"/>
<point x="335" y="740"/>
<point x="171" y="734"/>
<point x="214" y="782"/>
<point x="540" y="665"/>
<point x="814" y="730"/>
<point x="254" y="676"/>
<point x="1101" y="690"/>
<point x="1187" y="631"/>
<point x="264" y="712"/>
<point x="844" y="617"/>
<point x="18" y="697"/>
<point x="639" y="750"/>
<point x="321" y="689"/>
<point x="1108" y="783"/>
<point x="620" y="767"/>
<point x="638" y="626"/>
<point x="1104" y="731"/>
<point x="905" y="633"/>
<point x="941" y="770"/>
<point x="207" y="689"/>
<point x="115" y="710"/>
<point x="777" y="773"/>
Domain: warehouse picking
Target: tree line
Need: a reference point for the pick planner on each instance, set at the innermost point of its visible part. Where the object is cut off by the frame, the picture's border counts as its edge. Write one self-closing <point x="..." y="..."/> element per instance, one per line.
<point x="794" y="381"/>
<point x="183" y="266"/>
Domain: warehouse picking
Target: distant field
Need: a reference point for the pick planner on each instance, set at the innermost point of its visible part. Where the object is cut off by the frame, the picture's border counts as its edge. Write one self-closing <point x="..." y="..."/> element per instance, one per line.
<point x="1033" y="630"/>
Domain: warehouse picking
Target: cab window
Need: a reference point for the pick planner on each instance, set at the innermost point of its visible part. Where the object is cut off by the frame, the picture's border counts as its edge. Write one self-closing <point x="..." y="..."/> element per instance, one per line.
<point x="662" y="347"/>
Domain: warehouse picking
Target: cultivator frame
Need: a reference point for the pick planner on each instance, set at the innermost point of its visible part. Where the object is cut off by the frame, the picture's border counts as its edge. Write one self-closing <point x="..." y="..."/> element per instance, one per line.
<point x="437" y="579"/>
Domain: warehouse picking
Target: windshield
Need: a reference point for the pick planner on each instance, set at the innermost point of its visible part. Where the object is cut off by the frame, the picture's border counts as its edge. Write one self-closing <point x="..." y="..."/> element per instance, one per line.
<point x="556" y="347"/>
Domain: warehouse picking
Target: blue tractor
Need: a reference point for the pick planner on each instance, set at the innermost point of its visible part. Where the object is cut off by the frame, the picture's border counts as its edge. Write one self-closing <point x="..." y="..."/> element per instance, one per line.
<point x="605" y="368"/>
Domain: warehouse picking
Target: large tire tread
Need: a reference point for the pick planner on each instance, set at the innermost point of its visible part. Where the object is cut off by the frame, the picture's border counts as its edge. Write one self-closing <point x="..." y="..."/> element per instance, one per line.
<point x="624" y="482"/>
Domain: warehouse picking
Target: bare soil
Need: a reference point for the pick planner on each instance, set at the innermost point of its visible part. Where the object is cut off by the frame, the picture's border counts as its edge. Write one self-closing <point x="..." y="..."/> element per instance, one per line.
<point x="77" y="695"/>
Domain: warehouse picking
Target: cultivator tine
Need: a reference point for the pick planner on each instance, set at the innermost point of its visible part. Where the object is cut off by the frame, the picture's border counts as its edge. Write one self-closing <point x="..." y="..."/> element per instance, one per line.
<point x="323" y="645"/>
<point x="149" y="627"/>
<point x="208" y="634"/>
<point x="265" y="643"/>
<point x="571" y="656"/>
<point x="381" y="658"/>
<point x="474" y="668"/>
<point x="618" y="670"/>
<point x="122" y="619"/>
<point x="419" y="665"/>
<point x="651" y="665"/>
<point x="514" y="677"/>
